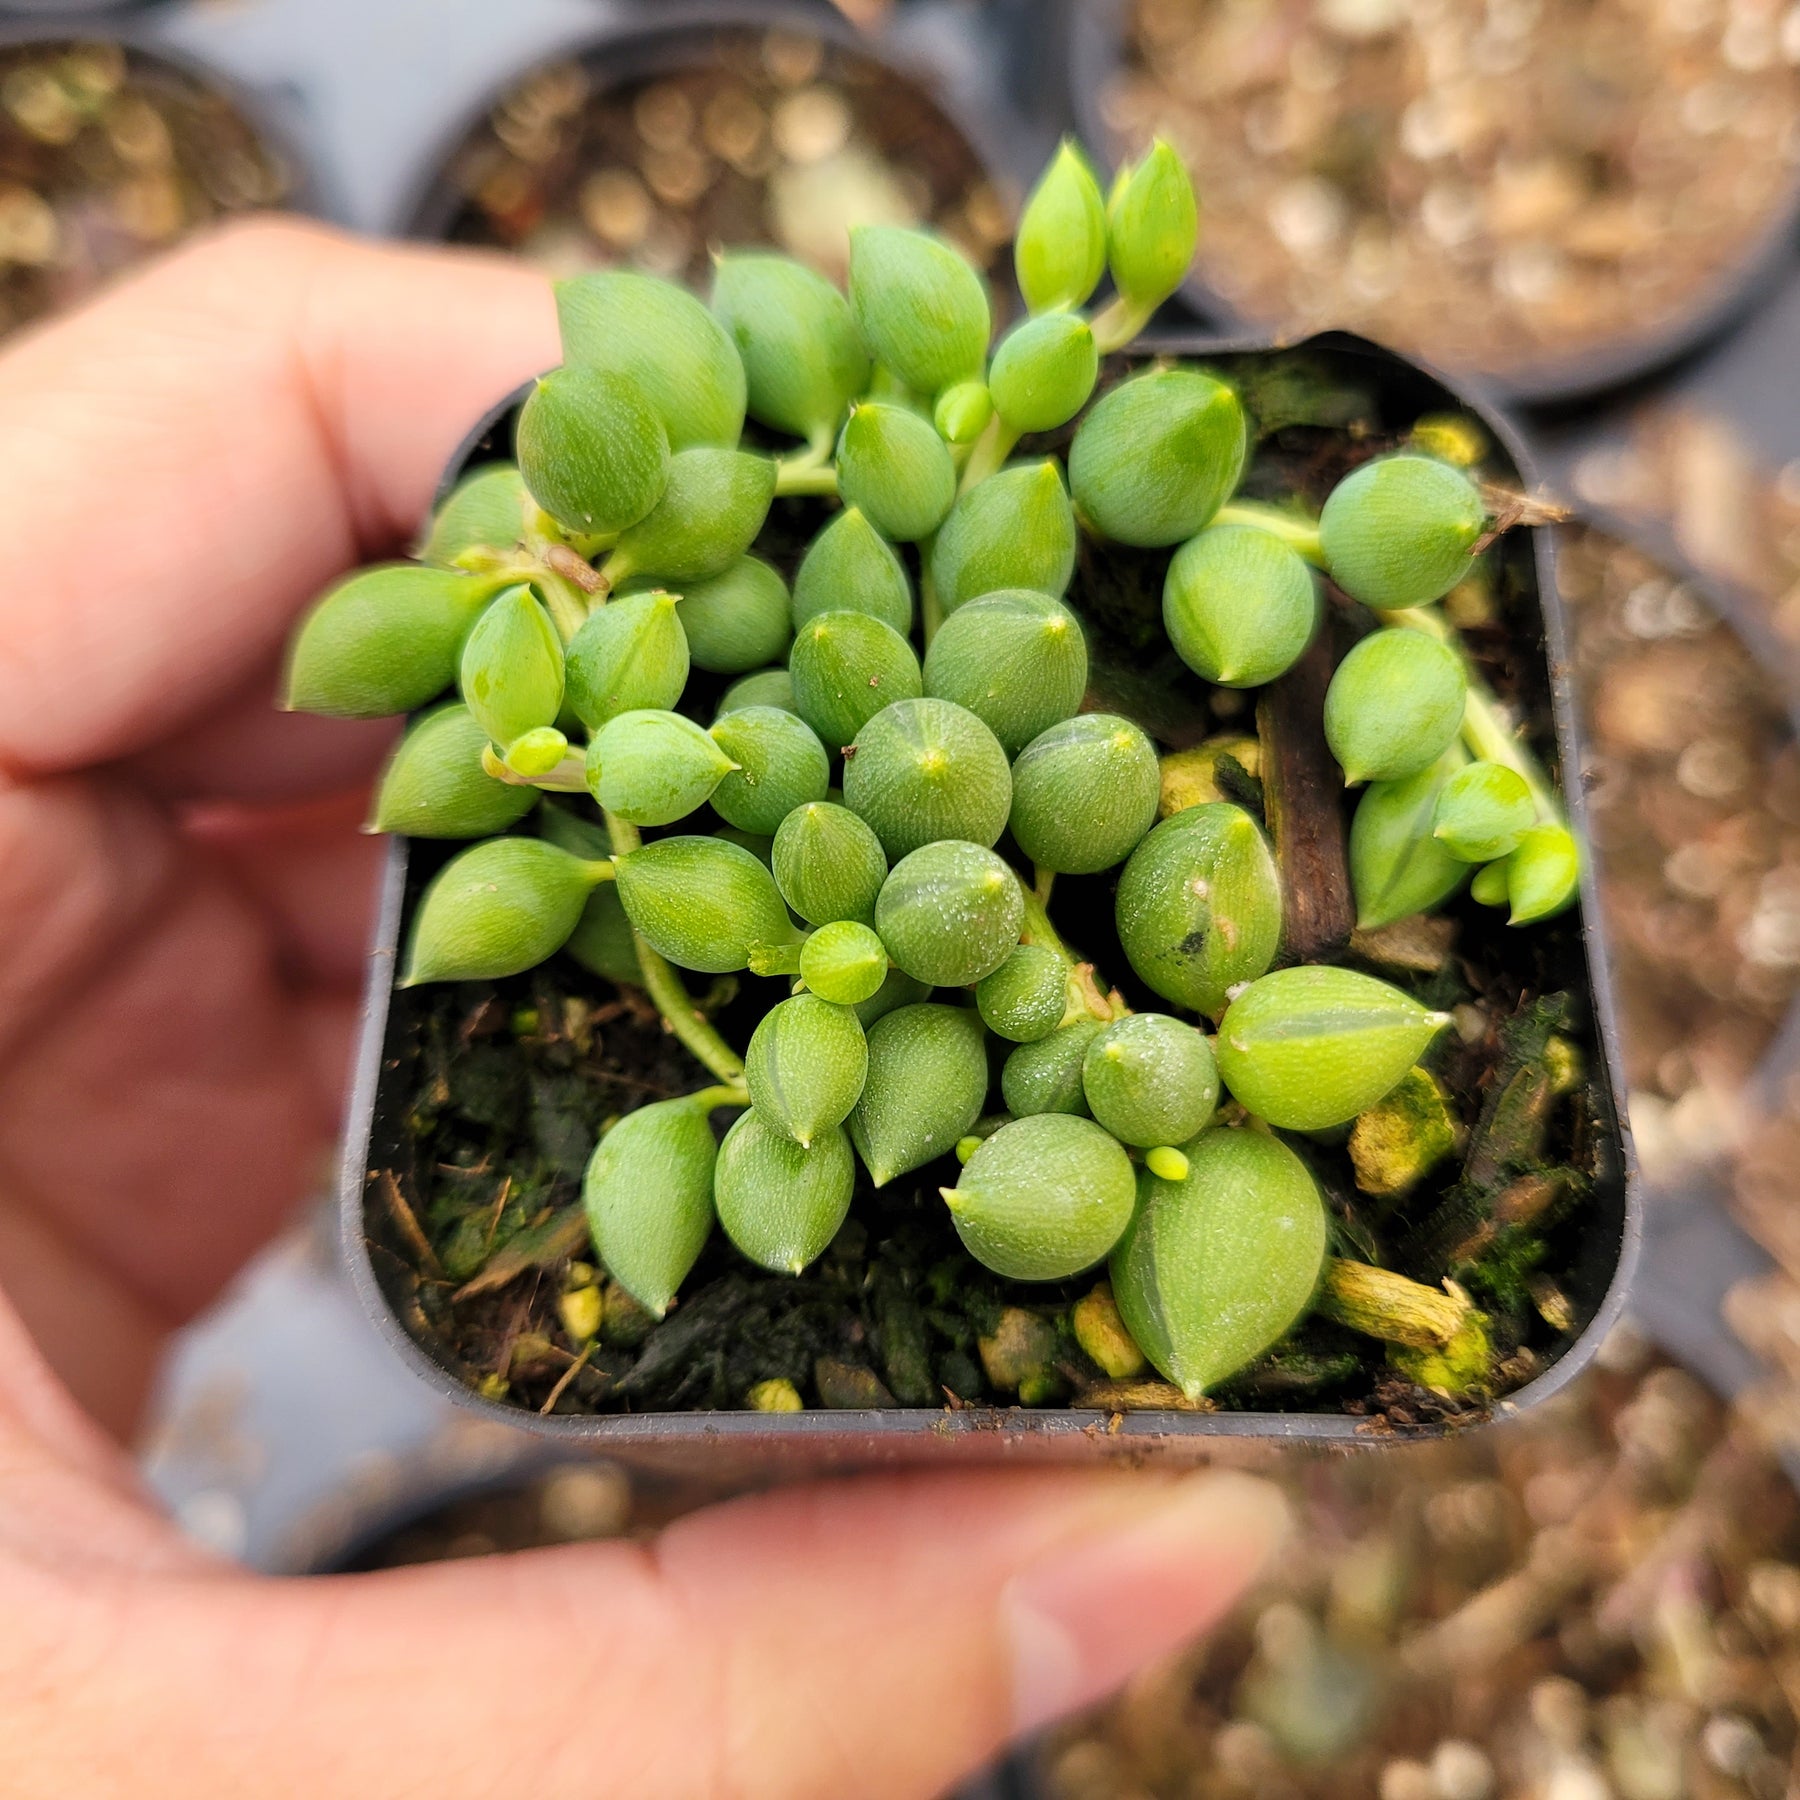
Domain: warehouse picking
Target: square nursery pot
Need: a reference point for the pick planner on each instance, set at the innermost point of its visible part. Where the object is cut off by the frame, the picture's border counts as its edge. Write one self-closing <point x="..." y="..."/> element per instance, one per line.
<point x="431" y="1051"/>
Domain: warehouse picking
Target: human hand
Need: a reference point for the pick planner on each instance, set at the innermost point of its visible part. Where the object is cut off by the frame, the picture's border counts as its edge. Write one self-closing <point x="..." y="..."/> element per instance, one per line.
<point x="183" y="902"/>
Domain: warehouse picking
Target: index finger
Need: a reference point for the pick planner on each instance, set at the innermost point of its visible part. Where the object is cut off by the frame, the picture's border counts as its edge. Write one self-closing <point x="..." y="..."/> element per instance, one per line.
<point x="186" y="462"/>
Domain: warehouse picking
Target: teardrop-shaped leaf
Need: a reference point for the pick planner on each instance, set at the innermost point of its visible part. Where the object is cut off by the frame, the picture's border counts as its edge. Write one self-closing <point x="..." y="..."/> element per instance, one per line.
<point x="928" y="769"/>
<point x="652" y="768"/>
<point x="511" y="673"/>
<point x="828" y="864"/>
<point x="851" y="567"/>
<point x="1151" y="1080"/>
<point x="780" y="765"/>
<point x="630" y="656"/>
<point x="497" y="908"/>
<point x="1397" y="867"/>
<point x="921" y="308"/>
<point x="1016" y="659"/>
<point x="805" y="1066"/>
<point x="1084" y="793"/>
<point x="1014" y="530"/>
<point x="1044" y="1076"/>
<point x="702" y="902"/>
<point x="781" y="1202"/>
<point x="950" y="913"/>
<point x="927" y="1084"/>
<point x="435" y="787"/>
<point x="709" y="514"/>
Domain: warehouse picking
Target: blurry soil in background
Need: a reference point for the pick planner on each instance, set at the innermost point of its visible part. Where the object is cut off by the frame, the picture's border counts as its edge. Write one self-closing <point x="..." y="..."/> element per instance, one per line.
<point x="108" y="155"/>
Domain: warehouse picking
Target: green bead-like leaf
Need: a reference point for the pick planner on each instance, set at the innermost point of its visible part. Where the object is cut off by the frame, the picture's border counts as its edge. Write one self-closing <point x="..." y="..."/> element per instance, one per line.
<point x="927" y="1082"/>
<point x="1151" y="1080"/>
<point x="766" y="687"/>
<point x="592" y="451"/>
<point x="702" y="902"/>
<point x="1239" y="605"/>
<point x="962" y="412"/>
<point x="897" y="989"/>
<point x="1218" y="1266"/>
<point x="845" y="963"/>
<point x="893" y="465"/>
<point x="1158" y="456"/>
<point x="738" y="620"/>
<point x="1014" y="530"/>
<point x="1152" y="226"/>
<point x="851" y="567"/>
<point x="1543" y="875"/>
<point x="1025" y="998"/>
<point x="386" y="640"/>
<point x="1044" y="371"/>
<point x="805" y="1066"/>
<point x="630" y="656"/>
<point x="660" y="337"/>
<point x="1043" y="1198"/>
<point x="950" y="913"/>
<point x="1309" y="1048"/>
<point x="1483" y="812"/>
<point x="847" y="667"/>
<point x="434" y="785"/>
<point x="485" y="511"/>
<point x="497" y="908"/>
<point x="780" y="765"/>
<point x="804" y="361"/>
<point x="652" y="768"/>
<point x="1044" y="1076"/>
<point x="1199" y="906"/>
<point x="928" y="769"/>
<point x="649" y="1199"/>
<point x="921" y="308"/>
<point x="1397" y="868"/>
<point x="780" y="1202"/>
<point x="536" y="752"/>
<point x="710" y="512"/>
<point x="1060" y="251"/>
<point x="511" y="675"/>
<point x="1395" y="705"/>
<point x="1489" y="886"/>
<point x="829" y="864"/>
<point x="1016" y="659"/>
<point x="1084" y="793"/>
<point x="1401" y="531"/>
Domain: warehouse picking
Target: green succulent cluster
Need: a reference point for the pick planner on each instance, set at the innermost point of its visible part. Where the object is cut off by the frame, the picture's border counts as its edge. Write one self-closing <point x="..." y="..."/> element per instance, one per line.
<point x="884" y="828"/>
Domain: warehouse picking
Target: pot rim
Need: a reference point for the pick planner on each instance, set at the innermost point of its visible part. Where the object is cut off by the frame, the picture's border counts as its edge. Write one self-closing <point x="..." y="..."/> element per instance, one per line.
<point x="1095" y="33"/>
<point x="859" y="1436"/>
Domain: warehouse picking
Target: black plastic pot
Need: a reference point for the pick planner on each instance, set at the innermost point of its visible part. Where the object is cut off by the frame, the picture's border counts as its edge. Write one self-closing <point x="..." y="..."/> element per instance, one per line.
<point x="660" y="40"/>
<point x="1095" y="35"/>
<point x="757" y="1442"/>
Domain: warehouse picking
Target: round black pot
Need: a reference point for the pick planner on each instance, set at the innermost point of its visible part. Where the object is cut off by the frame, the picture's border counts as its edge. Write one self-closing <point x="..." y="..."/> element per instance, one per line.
<point x="753" y="1444"/>
<point x="658" y="40"/>
<point x="1095" y="31"/>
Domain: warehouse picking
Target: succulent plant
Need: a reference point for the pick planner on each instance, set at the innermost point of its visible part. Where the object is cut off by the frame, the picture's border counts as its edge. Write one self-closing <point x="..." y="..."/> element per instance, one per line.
<point x="575" y="613"/>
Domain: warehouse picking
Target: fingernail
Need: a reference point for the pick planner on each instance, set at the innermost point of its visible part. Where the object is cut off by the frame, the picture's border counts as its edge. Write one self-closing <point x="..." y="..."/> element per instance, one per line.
<point x="1134" y="1587"/>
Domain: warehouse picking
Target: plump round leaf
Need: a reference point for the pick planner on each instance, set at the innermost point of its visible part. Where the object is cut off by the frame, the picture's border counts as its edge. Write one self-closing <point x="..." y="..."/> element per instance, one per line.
<point x="1239" y="605"/>
<point x="511" y="672"/>
<point x="894" y="467"/>
<point x="805" y="1066"/>
<point x="1397" y="868"/>
<point x="709" y="514"/>
<point x="1199" y="906"/>
<point x="1025" y="998"/>
<point x="1395" y="705"/>
<point x="1043" y="1198"/>
<point x="928" y="769"/>
<point x="766" y="687"/>
<point x="922" y="310"/>
<point x="828" y="864"/>
<point x="927" y="1082"/>
<point x="591" y="450"/>
<point x="950" y="913"/>
<point x="1016" y="659"/>
<point x="1219" y="1265"/>
<point x="1044" y="371"/>
<point x="484" y="511"/>
<point x="648" y="1196"/>
<point x="702" y="902"/>
<point x="652" y="768"/>
<point x="780" y="765"/>
<point x="844" y="962"/>
<point x="1014" y="530"/>
<point x="1308" y="1048"/>
<point x="1401" y="530"/>
<point x="1483" y="812"/>
<point x="1151" y="1080"/>
<point x="1044" y="1076"/>
<point x="846" y="667"/>
<point x="630" y="656"/>
<point x="497" y="908"/>
<point x="1158" y="456"/>
<point x="1084" y="793"/>
<point x="435" y="787"/>
<point x="781" y="1202"/>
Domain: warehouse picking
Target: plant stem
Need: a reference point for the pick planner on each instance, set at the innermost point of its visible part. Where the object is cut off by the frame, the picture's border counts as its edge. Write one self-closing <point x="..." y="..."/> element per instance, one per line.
<point x="991" y="450"/>
<point x="1296" y="531"/>
<point x="1117" y="323"/>
<point x="803" y="477"/>
<point x="665" y="987"/>
<point x="730" y="1094"/>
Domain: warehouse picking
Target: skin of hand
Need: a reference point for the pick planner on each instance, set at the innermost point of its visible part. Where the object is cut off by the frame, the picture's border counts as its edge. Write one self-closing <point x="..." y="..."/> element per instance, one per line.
<point x="183" y="903"/>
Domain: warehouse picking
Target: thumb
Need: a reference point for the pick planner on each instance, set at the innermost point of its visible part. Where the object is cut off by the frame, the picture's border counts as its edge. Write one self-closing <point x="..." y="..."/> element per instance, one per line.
<point x="878" y="1637"/>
